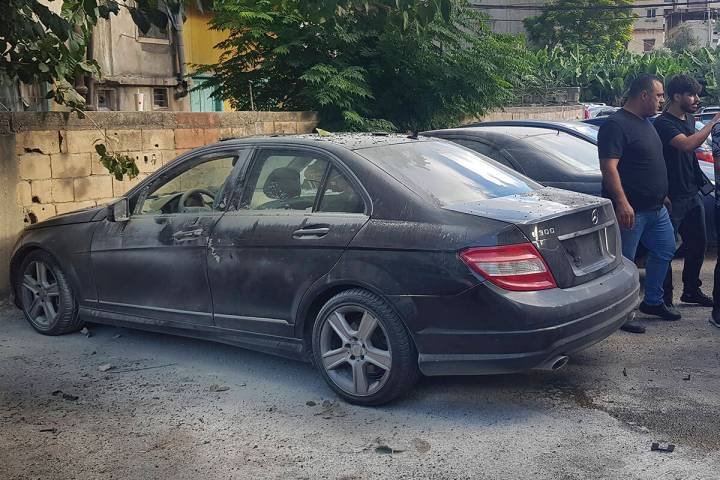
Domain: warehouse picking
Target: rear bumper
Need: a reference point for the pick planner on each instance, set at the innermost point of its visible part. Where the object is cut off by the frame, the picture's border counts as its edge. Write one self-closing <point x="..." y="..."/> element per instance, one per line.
<point x="560" y="321"/>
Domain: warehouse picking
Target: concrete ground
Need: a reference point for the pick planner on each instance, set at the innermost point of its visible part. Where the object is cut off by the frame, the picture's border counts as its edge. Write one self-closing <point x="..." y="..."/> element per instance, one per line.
<point x="177" y="408"/>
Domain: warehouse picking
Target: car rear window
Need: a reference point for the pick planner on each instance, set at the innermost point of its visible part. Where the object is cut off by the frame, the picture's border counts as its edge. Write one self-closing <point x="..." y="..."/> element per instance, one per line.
<point x="575" y="152"/>
<point x="447" y="173"/>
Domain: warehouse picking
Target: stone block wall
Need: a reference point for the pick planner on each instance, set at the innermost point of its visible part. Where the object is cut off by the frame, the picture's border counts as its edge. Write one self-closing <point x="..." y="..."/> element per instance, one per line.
<point x="59" y="170"/>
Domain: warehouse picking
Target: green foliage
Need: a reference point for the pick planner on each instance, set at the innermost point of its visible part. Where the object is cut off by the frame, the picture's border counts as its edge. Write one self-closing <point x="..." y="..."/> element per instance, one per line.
<point x="683" y="40"/>
<point x="606" y="76"/>
<point x="573" y="23"/>
<point x="365" y="65"/>
<point x="119" y="165"/>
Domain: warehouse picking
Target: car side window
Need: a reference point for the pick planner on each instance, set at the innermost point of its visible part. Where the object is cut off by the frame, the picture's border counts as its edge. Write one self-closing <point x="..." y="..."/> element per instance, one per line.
<point x="485" y="149"/>
<point x="195" y="190"/>
<point x="284" y="180"/>
<point x="339" y="195"/>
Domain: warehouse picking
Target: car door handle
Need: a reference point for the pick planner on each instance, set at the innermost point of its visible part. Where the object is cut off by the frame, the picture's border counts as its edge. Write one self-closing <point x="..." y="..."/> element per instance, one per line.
<point x="188" y="234"/>
<point x="311" y="232"/>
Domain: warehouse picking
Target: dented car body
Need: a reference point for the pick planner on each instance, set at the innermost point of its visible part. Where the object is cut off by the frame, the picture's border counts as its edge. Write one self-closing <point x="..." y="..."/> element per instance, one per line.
<point x="356" y="251"/>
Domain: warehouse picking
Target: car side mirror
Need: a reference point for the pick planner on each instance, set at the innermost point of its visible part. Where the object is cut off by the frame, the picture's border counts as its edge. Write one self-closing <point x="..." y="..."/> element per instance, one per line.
<point x="119" y="211"/>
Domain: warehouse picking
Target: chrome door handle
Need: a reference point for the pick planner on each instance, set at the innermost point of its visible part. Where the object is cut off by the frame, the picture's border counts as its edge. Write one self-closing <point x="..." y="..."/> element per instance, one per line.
<point x="315" y="232"/>
<point x="188" y="234"/>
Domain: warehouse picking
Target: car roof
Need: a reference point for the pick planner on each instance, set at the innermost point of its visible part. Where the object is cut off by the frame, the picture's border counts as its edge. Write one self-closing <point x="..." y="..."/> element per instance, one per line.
<point x="524" y="128"/>
<point x="350" y="141"/>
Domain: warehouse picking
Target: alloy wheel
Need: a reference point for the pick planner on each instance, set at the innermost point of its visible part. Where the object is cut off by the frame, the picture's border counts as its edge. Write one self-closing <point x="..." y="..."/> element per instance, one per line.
<point x="355" y="350"/>
<point x="40" y="293"/>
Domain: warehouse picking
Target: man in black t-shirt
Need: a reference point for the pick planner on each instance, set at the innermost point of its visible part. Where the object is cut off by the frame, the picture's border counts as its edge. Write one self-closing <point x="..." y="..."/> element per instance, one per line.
<point x="676" y="128"/>
<point x="635" y="179"/>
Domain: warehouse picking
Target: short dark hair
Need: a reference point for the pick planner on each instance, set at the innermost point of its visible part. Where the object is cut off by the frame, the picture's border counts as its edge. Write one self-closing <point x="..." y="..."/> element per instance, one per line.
<point x="643" y="83"/>
<point x="683" y="84"/>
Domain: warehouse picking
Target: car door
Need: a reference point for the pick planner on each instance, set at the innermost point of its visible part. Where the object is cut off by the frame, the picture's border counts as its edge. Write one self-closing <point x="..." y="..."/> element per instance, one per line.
<point x="299" y="211"/>
<point x="154" y="265"/>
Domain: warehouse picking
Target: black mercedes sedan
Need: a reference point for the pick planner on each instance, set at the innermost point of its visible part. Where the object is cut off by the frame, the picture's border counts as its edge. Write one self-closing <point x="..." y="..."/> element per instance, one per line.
<point x="377" y="258"/>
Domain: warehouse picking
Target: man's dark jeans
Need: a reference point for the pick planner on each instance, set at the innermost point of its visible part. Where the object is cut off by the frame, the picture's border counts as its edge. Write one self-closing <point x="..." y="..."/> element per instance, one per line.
<point x="716" y="279"/>
<point x="688" y="219"/>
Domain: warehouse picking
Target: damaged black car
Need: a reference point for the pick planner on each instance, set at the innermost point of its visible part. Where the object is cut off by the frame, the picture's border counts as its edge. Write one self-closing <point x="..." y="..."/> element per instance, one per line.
<point x="377" y="258"/>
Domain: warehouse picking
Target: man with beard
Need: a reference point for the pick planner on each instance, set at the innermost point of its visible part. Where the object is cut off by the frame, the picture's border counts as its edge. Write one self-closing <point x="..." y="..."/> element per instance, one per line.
<point x="635" y="179"/>
<point x="676" y="128"/>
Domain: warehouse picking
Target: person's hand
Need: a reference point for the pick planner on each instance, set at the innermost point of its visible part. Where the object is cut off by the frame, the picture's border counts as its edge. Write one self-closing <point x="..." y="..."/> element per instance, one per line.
<point x="716" y="119"/>
<point x="625" y="215"/>
<point x="668" y="205"/>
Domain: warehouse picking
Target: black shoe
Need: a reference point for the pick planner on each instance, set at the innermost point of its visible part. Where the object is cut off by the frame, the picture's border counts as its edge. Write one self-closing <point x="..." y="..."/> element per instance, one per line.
<point x="715" y="318"/>
<point x="633" y="326"/>
<point x="663" y="311"/>
<point x="698" y="297"/>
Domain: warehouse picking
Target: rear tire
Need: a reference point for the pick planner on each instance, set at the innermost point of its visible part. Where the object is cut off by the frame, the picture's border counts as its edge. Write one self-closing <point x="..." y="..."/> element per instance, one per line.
<point x="46" y="298"/>
<point x="363" y="350"/>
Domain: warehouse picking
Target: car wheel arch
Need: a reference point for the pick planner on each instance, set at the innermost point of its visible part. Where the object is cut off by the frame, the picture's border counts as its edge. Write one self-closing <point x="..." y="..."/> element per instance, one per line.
<point x="20" y="256"/>
<point x="310" y="307"/>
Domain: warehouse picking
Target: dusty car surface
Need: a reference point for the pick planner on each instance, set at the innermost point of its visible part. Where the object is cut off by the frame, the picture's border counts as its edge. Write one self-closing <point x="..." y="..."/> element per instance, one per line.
<point x="378" y="258"/>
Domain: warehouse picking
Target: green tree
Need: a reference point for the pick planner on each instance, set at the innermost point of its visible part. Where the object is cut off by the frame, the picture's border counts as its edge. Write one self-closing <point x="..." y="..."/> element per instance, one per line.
<point x="683" y="40"/>
<point x="383" y="64"/>
<point x="583" y="22"/>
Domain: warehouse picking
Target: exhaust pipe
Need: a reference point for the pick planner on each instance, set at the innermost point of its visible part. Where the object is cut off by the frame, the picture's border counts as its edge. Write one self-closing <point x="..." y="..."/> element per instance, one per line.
<point x="554" y="363"/>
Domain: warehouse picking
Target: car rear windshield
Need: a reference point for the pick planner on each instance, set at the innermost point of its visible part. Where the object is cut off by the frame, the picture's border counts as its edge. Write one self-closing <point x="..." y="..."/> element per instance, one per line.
<point x="575" y="152"/>
<point x="447" y="173"/>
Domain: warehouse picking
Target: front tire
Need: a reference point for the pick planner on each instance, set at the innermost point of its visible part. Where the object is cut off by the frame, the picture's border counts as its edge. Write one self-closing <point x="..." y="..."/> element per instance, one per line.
<point x="363" y="350"/>
<point x="46" y="298"/>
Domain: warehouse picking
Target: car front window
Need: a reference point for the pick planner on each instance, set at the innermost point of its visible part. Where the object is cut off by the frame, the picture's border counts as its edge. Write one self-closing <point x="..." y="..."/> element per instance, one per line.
<point x="447" y="173"/>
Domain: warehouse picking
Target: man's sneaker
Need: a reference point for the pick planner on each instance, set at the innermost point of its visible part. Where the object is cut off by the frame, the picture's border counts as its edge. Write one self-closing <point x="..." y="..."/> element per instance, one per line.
<point x="663" y="311"/>
<point x="698" y="297"/>
<point x="715" y="318"/>
<point x="633" y="326"/>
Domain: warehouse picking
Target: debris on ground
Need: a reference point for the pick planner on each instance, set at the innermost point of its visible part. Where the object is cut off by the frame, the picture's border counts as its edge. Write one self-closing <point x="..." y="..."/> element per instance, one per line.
<point x="105" y="367"/>
<point x="421" y="445"/>
<point x="86" y="332"/>
<point x="331" y="409"/>
<point x="49" y="430"/>
<point x="383" y="448"/>
<point x="624" y="372"/>
<point x="686" y="377"/>
<point x="65" y="396"/>
<point x="310" y="403"/>
<point x="219" y="388"/>
<point x="655" y="447"/>
<point x="117" y="336"/>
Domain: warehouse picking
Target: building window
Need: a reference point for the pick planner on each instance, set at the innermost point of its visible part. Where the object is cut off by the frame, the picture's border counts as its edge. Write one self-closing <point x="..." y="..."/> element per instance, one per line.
<point x="106" y="99"/>
<point x="648" y="44"/>
<point x="651" y="12"/>
<point x="154" y="34"/>
<point x="160" y="98"/>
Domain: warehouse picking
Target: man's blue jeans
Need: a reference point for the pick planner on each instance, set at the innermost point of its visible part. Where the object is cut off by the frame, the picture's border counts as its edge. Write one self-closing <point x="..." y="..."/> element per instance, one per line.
<point x="654" y="229"/>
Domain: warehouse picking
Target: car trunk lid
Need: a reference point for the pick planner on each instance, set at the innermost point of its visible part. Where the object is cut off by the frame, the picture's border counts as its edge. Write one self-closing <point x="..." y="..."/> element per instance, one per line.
<point x="576" y="234"/>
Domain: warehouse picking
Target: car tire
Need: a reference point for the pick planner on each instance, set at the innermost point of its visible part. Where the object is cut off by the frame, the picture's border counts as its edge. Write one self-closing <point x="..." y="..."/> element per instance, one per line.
<point x="46" y="298"/>
<point x="362" y="349"/>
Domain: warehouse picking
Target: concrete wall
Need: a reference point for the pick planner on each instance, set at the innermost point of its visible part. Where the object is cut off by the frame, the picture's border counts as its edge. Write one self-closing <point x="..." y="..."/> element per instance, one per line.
<point x="562" y="112"/>
<point x="48" y="164"/>
<point x="509" y="20"/>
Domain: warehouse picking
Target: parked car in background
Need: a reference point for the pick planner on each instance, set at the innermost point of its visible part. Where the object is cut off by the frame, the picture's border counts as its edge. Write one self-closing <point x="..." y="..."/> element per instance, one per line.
<point x="559" y="154"/>
<point x="376" y="257"/>
<point x="593" y="110"/>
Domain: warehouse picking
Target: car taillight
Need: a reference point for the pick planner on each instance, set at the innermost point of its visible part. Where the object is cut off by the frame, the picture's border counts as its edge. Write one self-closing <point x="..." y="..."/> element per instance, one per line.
<point x="512" y="267"/>
<point x="705" y="156"/>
